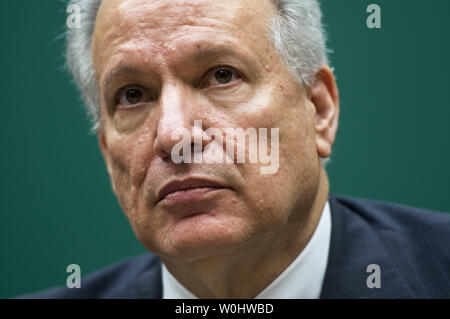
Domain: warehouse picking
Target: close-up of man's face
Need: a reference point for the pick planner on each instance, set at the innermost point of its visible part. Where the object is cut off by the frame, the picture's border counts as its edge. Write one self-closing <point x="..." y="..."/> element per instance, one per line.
<point x="160" y="66"/>
<point x="201" y="149"/>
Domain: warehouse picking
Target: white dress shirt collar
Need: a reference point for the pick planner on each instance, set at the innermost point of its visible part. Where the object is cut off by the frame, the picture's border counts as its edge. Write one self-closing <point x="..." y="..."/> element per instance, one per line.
<point x="302" y="279"/>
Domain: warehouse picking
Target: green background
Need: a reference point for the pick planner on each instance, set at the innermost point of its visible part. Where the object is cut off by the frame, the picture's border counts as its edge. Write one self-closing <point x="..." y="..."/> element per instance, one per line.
<point x="56" y="202"/>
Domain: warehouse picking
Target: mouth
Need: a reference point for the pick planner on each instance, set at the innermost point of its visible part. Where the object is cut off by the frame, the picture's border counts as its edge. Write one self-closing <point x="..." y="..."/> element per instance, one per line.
<point x="187" y="190"/>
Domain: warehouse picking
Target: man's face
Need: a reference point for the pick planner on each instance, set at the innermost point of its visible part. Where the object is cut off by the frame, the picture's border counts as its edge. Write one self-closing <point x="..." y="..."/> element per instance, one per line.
<point x="161" y="65"/>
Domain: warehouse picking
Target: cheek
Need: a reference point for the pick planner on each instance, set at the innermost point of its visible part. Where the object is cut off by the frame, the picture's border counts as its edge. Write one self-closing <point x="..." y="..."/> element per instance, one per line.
<point x="296" y="122"/>
<point x="130" y="156"/>
<point x="271" y="198"/>
<point x="130" y="121"/>
<point x="285" y="107"/>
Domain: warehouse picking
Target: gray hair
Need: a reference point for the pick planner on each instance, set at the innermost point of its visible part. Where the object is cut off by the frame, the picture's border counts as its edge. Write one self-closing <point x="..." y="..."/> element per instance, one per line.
<point x="296" y="33"/>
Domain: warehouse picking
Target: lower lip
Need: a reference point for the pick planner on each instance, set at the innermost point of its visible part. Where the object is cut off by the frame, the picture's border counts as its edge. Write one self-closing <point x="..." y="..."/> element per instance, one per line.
<point x="189" y="195"/>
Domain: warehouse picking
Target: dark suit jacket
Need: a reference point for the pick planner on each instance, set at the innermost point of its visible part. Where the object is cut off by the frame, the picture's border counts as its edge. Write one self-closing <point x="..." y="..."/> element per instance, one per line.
<point x="411" y="246"/>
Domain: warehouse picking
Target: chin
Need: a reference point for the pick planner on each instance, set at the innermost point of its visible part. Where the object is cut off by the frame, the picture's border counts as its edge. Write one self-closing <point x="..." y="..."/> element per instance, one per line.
<point x="199" y="237"/>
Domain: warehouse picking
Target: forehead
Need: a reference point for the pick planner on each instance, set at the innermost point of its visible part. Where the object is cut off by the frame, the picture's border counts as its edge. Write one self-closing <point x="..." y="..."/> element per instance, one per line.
<point x="161" y="14"/>
<point x="163" y="26"/>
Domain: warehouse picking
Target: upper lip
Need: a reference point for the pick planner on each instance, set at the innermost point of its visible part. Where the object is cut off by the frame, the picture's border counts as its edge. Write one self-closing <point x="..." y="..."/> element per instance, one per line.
<point x="188" y="183"/>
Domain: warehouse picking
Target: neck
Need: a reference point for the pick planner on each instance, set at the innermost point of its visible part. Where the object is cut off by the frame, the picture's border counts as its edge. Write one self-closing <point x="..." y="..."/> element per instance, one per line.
<point x="229" y="277"/>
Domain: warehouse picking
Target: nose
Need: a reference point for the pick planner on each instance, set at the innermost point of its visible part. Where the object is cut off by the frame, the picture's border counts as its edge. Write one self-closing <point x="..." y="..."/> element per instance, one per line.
<point x="178" y="113"/>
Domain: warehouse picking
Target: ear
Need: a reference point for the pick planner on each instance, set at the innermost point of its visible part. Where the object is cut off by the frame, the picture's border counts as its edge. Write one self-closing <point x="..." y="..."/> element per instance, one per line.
<point x="104" y="149"/>
<point x="325" y="97"/>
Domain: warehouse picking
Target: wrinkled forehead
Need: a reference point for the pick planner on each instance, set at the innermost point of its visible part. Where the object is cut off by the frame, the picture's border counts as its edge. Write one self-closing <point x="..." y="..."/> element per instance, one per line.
<point x="165" y="14"/>
<point x="167" y="23"/>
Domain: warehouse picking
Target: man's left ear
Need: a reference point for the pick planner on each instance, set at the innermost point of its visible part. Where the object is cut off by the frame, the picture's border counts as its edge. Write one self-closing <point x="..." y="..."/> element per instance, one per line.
<point x="325" y="97"/>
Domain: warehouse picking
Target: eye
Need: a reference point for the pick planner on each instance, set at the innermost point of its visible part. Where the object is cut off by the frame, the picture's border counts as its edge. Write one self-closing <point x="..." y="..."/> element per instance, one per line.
<point x="133" y="96"/>
<point x="221" y="76"/>
<point x="129" y="97"/>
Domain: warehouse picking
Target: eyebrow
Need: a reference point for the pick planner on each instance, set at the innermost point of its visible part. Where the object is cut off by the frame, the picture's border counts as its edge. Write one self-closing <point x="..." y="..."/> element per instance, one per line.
<point x="212" y="52"/>
<point x="119" y="70"/>
<point x="200" y="54"/>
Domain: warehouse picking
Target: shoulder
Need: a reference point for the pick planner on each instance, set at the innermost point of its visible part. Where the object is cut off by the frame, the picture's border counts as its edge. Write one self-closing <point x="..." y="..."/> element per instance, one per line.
<point x="395" y="217"/>
<point x="416" y="241"/>
<point x="107" y="282"/>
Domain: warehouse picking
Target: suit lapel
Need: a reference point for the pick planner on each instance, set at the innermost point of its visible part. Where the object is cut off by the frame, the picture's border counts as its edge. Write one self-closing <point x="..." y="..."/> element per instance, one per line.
<point x="354" y="246"/>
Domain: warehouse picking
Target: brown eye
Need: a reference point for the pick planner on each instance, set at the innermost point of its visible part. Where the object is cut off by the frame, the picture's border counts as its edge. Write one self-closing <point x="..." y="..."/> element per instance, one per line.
<point x="223" y="76"/>
<point x="133" y="96"/>
<point x="130" y="97"/>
